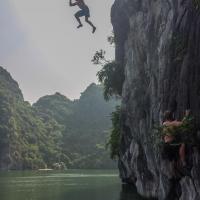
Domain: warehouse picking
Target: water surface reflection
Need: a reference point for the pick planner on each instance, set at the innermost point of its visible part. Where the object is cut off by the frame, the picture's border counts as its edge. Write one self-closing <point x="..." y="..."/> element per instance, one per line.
<point x="69" y="185"/>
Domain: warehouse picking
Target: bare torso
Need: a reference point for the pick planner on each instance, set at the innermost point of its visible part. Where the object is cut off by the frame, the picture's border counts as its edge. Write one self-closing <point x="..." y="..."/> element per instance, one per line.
<point x="170" y="125"/>
<point x="81" y="4"/>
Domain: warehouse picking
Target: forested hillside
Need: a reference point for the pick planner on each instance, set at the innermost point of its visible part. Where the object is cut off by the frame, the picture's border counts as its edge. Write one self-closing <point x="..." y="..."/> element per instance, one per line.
<point x="26" y="140"/>
<point x="86" y="124"/>
<point x="53" y="130"/>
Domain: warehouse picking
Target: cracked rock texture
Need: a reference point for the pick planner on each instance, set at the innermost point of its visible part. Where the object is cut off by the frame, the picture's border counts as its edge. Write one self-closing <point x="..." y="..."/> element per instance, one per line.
<point x="158" y="43"/>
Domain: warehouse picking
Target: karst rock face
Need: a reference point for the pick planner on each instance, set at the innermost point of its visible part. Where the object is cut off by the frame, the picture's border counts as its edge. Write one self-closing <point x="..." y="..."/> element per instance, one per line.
<point x="158" y="43"/>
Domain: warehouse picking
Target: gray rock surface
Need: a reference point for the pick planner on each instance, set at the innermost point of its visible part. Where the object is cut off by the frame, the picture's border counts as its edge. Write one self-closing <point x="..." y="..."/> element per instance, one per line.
<point x="158" y="42"/>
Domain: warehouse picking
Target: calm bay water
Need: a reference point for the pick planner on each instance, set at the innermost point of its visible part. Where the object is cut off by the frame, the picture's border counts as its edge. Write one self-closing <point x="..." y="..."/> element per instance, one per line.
<point x="68" y="185"/>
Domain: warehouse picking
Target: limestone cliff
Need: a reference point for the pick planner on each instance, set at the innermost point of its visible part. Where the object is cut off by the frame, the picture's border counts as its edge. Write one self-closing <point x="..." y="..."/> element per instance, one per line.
<point x="158" y="42"/>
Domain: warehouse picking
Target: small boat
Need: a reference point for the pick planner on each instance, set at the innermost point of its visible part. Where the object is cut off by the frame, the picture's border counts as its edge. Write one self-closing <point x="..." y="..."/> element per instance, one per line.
<point x="45" y="169"/>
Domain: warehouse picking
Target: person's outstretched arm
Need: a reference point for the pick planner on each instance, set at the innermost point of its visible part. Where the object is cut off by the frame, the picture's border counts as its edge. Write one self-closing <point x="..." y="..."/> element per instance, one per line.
<point x="72" y="4"/>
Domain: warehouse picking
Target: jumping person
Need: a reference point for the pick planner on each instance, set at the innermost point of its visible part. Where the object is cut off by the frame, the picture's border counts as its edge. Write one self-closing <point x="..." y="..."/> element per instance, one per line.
<point x="83" y="12"/>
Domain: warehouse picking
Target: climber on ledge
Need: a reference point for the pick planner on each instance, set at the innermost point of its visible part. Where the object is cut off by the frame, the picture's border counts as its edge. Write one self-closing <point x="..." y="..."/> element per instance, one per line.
<point x="83" y="12"/>
<point x="170" y="125"/>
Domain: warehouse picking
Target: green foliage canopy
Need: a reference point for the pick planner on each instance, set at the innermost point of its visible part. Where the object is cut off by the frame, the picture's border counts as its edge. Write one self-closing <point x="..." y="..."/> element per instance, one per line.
<point x="114" y="140"/>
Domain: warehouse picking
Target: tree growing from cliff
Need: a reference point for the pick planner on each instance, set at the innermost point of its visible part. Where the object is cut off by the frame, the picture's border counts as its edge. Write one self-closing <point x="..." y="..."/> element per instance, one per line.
<point x="111" y="76"/>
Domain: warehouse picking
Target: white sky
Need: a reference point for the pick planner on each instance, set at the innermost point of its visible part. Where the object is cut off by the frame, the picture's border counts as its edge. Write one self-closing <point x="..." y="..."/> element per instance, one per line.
<point x="44" y="52"/>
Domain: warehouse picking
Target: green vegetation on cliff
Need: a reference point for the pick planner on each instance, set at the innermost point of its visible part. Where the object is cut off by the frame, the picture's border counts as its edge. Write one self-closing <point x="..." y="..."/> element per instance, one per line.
<point x="112" y="77"/>
<point x="115" y="136"/>
<point x="196" y="3"/>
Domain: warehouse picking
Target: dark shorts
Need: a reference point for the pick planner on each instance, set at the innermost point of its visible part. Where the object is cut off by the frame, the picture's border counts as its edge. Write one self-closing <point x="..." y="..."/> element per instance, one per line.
<point x="170" y="152"/>
<point x="83" y="12"/>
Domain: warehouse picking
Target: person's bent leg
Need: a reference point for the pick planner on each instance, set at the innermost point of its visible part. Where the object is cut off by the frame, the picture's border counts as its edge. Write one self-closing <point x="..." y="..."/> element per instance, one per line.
<point x="182" y="154"/>
<point x="91" y="24"/>
<point x="77" y="16"/>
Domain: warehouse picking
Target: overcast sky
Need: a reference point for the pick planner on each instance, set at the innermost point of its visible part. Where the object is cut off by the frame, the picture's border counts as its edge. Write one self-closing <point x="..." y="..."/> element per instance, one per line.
<point x="44" y="52"/>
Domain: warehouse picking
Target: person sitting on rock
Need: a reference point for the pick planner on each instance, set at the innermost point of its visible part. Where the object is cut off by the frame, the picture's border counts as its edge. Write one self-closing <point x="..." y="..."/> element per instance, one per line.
<point x="83" y="12"/>
<point x="170" y="125"/>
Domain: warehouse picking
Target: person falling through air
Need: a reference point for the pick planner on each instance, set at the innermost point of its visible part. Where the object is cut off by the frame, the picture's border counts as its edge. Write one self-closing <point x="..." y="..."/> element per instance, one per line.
<point x="83" y="12"/>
